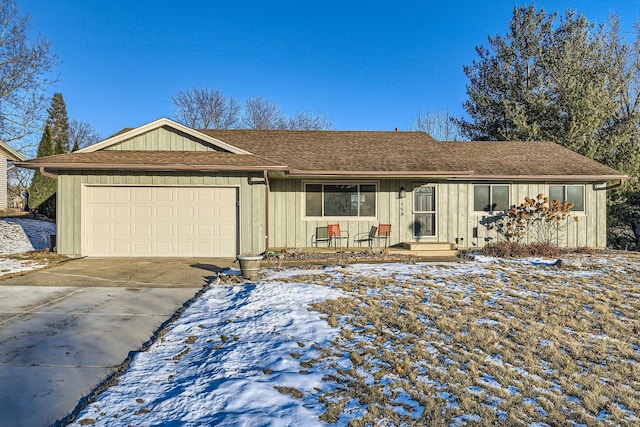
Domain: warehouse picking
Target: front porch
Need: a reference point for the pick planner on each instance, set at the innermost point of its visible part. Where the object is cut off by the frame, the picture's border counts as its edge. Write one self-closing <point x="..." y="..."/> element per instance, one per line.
<point x="406" y="252"/>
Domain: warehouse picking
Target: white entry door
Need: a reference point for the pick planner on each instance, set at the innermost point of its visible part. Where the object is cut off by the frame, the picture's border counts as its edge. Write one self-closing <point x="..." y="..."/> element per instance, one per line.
<point x="160" y="221"/>
<point x="424" y="211"/>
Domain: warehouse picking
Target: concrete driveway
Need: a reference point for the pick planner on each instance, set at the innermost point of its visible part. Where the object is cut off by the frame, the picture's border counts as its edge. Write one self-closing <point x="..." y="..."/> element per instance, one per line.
<point x="63" y="330"/>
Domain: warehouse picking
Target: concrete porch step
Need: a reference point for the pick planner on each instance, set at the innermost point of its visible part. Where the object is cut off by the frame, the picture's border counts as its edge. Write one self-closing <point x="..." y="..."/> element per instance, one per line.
<point x="429" y="247"/>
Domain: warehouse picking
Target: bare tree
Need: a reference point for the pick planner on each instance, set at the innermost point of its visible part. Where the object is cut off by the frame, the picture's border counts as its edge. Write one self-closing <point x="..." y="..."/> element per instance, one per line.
<point x="260" y="113"/>
<point x="309" y="121"/>
<point x="82" y="134"/>
<point x="439" y="124"/>
<point x="18" y="180"/>
<point x="201" y="108"/>
<point x="211" y="109"/>
<point x="24" y="75"/>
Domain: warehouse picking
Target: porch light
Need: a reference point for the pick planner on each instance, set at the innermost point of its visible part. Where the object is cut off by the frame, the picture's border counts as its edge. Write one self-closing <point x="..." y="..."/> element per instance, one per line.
<point x="402" y="193"/>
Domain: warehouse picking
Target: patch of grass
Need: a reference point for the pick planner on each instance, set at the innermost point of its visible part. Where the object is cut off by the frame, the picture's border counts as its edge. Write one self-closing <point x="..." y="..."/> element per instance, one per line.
<point x="512" y="343"/>
<point x="179" y="356"/>
<point x="290" y="391"/>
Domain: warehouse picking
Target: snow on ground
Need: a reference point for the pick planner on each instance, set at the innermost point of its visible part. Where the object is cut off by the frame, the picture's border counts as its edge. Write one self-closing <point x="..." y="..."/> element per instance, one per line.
<point x="220" y="362"/>
<point x="19" y="235"/>
<point x="486" y="342"/>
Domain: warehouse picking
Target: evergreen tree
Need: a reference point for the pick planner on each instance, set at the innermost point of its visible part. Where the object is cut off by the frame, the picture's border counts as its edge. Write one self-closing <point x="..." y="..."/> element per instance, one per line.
<point x="564" y="81"/>
<point x="568" y="81"/>
<point x="42" y="190"/>
<point x="58" y="123"/>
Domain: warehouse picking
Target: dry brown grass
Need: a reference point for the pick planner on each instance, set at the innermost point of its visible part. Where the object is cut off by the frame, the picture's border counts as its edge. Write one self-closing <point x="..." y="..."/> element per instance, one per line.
<point x="506" y="343"/>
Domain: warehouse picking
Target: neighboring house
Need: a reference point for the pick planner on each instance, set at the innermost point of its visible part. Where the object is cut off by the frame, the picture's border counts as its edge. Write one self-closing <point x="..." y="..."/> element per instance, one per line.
<point x="164" y="189"/>
<point x="7" y="154"/>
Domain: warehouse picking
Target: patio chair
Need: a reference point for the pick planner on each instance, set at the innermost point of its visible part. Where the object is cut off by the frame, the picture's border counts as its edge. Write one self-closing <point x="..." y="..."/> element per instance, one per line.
<point x="366" y="237"/>
<point x="321" y="235"/>
<point x="336" y="234"/>
<point x="384" y="232"/>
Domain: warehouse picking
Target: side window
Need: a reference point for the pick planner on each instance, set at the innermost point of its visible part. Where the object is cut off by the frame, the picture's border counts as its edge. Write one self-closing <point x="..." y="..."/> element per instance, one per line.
<point x="490" y="198"/>
<point x="568" y="193"/>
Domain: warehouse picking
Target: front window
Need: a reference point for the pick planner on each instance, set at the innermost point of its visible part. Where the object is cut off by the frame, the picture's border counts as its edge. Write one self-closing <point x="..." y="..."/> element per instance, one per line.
<point x="570" y="194"/>
<point x="340" y="200"/>
<point x="490" y="198"/>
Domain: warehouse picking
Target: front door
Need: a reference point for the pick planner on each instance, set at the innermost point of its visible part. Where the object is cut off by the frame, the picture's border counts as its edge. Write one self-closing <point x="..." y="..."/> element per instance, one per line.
<point x="424" y="211"/>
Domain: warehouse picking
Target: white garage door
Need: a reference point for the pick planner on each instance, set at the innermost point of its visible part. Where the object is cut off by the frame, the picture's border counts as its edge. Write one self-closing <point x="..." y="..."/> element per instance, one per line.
<point x="160" y="221"/>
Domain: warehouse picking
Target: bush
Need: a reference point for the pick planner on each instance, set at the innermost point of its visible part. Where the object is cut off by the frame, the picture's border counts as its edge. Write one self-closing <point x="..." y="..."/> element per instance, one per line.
<point x="539" y="219"/>
<point x="518" y="250"/>
<point x="504" y="250"/>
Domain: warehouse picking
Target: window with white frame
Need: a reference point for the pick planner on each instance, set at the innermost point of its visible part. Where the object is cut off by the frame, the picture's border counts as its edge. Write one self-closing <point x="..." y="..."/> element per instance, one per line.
<point x="568" y="193"/>
<point x="490" y="198"/>
<point x="340" y="200"/>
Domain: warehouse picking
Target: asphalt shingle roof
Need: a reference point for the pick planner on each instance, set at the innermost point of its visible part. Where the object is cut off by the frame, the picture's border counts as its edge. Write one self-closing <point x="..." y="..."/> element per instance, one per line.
<point x="409" y="152"/>
<point x="357" y="152"/>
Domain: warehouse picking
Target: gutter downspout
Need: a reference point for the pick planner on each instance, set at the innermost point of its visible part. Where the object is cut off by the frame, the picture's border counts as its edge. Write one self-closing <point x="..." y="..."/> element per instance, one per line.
<point x="613" y="186"/>
<point x="266" y="210"/>
<point x="43" y="172"/>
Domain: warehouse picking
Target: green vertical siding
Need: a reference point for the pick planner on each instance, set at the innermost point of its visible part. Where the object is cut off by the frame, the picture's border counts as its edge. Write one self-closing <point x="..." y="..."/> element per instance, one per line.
<point x="455" y="220"/>
<point x="289" y="228"/>
<point x="163" y="139"/>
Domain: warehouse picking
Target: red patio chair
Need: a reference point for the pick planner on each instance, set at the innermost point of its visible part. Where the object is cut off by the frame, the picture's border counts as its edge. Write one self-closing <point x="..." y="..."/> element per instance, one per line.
<point x="384" y="232"/>
<point x="335" y="234"/>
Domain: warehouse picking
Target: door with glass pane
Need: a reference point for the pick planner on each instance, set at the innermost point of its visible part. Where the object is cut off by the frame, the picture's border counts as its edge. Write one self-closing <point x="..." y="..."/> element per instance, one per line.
<point x="424" y="211"/>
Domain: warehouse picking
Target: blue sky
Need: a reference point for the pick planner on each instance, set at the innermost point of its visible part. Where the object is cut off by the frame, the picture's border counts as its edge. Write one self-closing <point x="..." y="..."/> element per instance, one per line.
<point x="366" y="65"/>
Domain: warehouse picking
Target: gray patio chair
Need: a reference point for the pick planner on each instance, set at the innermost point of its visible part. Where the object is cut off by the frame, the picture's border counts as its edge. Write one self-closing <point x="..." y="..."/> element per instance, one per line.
<point x="366" y="237"/>
<point x="321" y="235"/>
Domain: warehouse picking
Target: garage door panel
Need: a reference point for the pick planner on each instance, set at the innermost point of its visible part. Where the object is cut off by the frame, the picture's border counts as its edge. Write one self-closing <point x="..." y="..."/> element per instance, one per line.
<point x="122" y="196"/>
<point x="164" y="213"/>
<point x="165" y="194"/>
<point x="187" y="196"/>
<point x="186" y="231"/>
<point x="100" y="246"/>
<point x="164" y="247"/>
<point x="120" y="212"/>
<point x="99" y="231"/>
<point x="160" y="221"/>
<point x="120" y="247"/>
<point x="100" y="193"/>
<point x="141" y="231"/>
<point x="120" y="231"/>
<point x="139" y="194"/>
<point x="186" y="212"/>
<point x="206" y="232"/>
<point x="164" y="231"/>
<point x="141" y="248"/>
<point x="100" y="212"/>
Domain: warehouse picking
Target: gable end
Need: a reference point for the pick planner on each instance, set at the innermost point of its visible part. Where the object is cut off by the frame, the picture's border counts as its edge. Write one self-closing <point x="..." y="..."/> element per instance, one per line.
<point x="164" y="138"/>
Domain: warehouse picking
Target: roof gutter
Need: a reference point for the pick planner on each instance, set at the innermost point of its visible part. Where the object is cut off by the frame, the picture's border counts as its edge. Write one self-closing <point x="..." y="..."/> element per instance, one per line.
<point x="147" y="167"/>
<point x="558" y="178"/>
<point x="395" y="174"/>
<point x="44" y="172"/>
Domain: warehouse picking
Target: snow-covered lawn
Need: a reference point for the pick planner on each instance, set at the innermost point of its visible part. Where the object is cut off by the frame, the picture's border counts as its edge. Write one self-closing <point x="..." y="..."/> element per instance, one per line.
<point x="488" y="342"/>
<point x="19" y="235"/>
